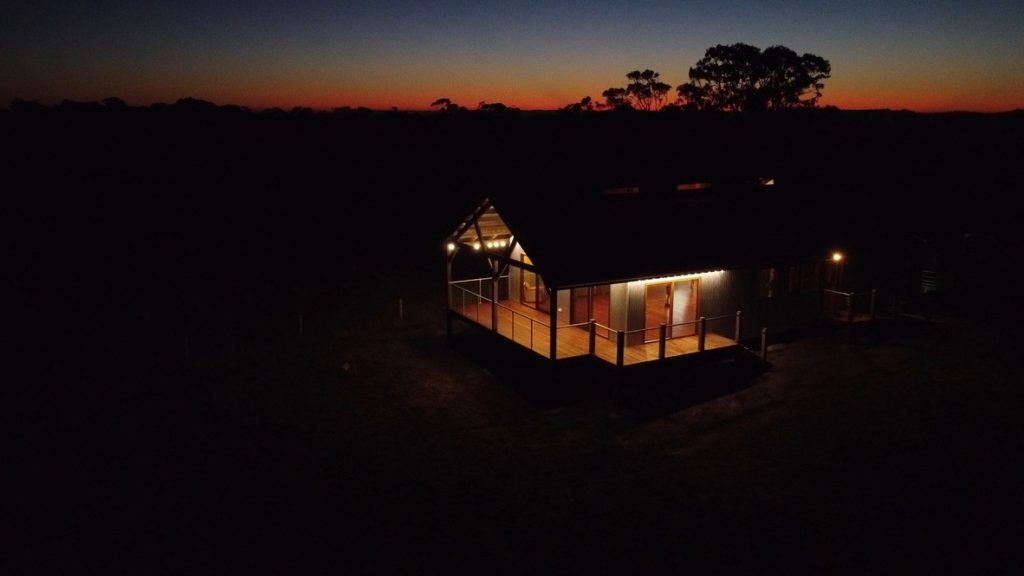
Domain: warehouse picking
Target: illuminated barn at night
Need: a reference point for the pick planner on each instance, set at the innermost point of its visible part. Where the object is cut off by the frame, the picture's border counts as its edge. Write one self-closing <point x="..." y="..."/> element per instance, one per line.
<point x="636" y="273"/>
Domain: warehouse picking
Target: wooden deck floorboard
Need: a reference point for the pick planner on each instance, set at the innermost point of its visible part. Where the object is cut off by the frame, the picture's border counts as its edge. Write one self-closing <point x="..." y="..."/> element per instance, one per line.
<point x="530" y="328"/>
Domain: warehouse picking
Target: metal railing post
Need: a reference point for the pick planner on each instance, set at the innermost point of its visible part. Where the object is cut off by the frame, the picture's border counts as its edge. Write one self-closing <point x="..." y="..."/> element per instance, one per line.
<point x="593" y="336"/>
<point x="661" y="341"/>
<point x="620" y="344"/>
<point x="703" y="331"/>
<point x="494" y="305"/>
<point x="739" y="326"/>
<point x="764" y="344"/>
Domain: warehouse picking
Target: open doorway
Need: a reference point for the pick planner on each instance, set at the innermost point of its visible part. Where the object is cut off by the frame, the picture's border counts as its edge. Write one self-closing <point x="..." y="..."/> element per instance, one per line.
<point x="674" y="304"/>
<point x="533" y="292"/>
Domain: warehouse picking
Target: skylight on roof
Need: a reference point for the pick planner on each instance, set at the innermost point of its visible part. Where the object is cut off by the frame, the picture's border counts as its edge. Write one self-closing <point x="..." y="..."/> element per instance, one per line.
<point x="686" y="186"/>
<point x="620" y="190"/>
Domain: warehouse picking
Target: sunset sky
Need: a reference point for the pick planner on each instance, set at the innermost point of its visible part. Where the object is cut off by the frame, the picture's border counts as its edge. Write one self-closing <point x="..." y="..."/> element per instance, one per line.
<point x="926" y="56"/>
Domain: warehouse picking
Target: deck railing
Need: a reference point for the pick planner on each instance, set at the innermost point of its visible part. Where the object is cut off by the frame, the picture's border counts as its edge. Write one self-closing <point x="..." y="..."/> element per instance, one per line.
<point x="525" y="330"/>
<point x="564" y="351"/>
<point x="848" y="307"/>
<point x="665" y="341"/>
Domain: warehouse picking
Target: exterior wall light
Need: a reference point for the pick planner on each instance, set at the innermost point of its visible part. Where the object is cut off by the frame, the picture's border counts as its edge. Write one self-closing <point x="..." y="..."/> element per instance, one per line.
<point x="451" y="246"/>
<point x="837" y="256"/>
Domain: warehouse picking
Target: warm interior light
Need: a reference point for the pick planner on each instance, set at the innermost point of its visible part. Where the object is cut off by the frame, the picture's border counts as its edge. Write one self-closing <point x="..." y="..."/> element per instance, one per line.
<point x="677" y="277"/>
<point x="476" y="245"/>
<point x="451" y="246"/>
<point x="837" y="256"/>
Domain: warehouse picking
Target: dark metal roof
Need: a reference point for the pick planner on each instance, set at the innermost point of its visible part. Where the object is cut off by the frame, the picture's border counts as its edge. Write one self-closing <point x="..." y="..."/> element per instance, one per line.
<point x="585" y="232"/>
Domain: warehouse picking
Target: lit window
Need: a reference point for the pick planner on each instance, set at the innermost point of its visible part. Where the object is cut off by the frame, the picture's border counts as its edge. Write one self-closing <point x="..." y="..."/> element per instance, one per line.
<point x="692" y="186"/>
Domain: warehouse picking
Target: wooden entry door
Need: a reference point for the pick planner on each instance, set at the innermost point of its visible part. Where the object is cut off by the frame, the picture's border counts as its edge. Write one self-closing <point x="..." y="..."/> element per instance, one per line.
<point x="672" y="303"/>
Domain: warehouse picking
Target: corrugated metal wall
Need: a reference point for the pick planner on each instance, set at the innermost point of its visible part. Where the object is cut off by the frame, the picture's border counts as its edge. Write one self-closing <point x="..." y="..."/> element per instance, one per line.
<point x="635" y="314"/>
<point x="618" y="306"/>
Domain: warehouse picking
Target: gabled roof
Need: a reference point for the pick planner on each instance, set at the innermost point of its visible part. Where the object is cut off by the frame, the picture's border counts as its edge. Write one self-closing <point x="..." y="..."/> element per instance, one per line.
<point x="579" y="233"/>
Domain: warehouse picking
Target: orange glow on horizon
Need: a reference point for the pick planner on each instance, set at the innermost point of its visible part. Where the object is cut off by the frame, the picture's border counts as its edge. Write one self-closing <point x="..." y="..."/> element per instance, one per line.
<point x="845" y="98"/>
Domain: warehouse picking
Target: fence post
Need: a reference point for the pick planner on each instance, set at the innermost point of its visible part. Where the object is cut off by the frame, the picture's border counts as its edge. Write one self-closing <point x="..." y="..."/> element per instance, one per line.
<point x="620" y="342"/>
<point x="739" y="326"/>
<point x="593" y="336"/>
<point x="764" y="344"/>
<point x="661" y="341"/>
<point x="871" y="307"/>
<point x="702" y="330"/>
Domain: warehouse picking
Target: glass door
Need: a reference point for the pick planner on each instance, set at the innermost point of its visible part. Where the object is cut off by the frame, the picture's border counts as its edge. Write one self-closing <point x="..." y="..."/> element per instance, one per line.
<point x="675" y="304"/>
<point x="591" y="302"/>
<point x="533" y="292"/>
<point x="684" y="308"/>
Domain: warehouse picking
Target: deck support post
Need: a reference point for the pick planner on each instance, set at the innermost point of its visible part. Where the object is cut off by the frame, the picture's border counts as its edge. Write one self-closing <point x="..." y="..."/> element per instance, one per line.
<point x="849" y="317"/>
<point x="661" y="341"/>
<point x="495" y="275"/>
<point x="764" y="344"/>
<point x="739" y="326"/>
<point x="553" y="317"/>
<point x="702" y="332"/>
<point x="871" y="306"/>
<point x="620" y="345"/>
<point x="593" y="336"/>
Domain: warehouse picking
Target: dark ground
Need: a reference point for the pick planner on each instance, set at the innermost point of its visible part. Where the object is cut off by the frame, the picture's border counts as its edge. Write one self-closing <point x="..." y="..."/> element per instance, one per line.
<point x="371" y="444"/>
<point x="900" y="452"/>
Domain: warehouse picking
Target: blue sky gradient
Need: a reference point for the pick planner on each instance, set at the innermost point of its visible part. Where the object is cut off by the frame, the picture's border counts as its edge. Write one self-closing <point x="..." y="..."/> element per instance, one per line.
<point x="895" y="54"/>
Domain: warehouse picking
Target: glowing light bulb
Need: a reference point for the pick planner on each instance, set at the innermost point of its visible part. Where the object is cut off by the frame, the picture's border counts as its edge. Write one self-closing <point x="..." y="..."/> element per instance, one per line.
<point x="837" y="256"/>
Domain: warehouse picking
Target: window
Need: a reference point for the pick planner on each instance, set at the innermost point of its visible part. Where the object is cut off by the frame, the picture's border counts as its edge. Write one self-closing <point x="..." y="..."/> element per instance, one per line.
<point x="766" y="284"/>
<point x="809" y="277"/>
<point x="794" y="279"/>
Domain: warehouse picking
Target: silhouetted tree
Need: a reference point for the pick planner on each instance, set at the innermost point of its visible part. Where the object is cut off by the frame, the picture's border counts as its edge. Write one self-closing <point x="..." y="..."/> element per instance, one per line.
<point x="114" y="103"/>
<point x="446" y="105"/>
<point x="495" y="107"/>
<point x="742" y="77"/>
<point x="645" y="91"/>
<point x="584" y="105"/>
<point x="26" y="106"/>
<point x="616" y="98"/>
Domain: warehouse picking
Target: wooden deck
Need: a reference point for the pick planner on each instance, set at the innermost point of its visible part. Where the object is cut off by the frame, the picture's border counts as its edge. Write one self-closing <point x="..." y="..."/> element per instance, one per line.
<point x="530" y="328"/>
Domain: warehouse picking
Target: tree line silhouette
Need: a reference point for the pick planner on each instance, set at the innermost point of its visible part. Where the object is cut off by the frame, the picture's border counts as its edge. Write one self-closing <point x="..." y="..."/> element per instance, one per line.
<point x="736" y="77"/>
